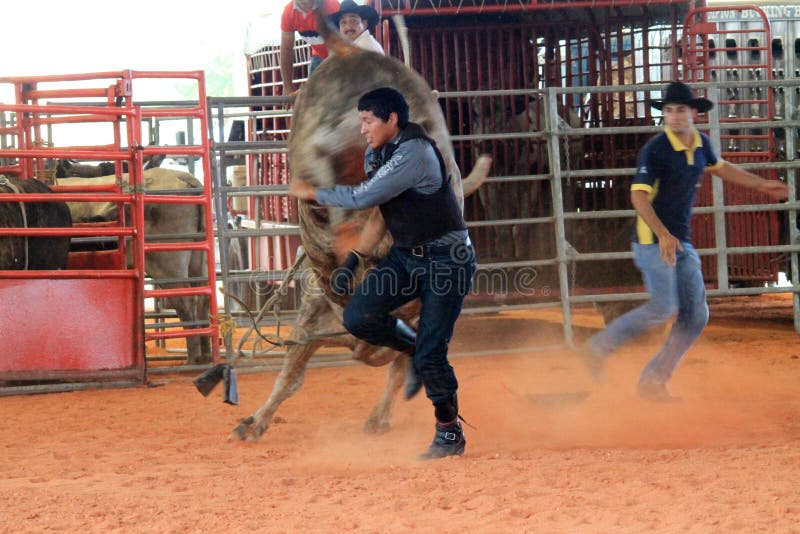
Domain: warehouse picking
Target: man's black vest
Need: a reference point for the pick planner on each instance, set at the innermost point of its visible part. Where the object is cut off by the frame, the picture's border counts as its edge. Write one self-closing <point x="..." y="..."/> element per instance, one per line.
<point x="414" y="218"/>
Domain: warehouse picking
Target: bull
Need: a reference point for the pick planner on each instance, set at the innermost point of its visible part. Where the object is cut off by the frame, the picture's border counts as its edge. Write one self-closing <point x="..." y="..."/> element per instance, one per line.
<point x="160" y="220"/>
<point x="326" y="148"/>
<point x="39" y="253"/>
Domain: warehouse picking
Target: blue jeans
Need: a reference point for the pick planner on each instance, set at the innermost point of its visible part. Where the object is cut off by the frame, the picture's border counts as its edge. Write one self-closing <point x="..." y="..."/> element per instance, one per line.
<point x="316" y="61"/>
<point x="678" y="289"/>
<point x="441" y="282"/>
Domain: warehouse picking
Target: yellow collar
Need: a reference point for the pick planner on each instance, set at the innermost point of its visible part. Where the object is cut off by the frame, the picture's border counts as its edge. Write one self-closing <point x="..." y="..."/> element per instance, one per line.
<point x="678" y="146"/>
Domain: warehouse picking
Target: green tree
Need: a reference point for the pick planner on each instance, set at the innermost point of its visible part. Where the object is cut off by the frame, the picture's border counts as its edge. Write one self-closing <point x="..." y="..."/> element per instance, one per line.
<point x="219" y="79"/>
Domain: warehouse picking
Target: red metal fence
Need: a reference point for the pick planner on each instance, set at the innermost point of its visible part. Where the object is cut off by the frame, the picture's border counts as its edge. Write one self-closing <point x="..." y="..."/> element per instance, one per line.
<point x="96" y="307"/>
<point x="737" y="52"/>
<point x="82" y="323"/>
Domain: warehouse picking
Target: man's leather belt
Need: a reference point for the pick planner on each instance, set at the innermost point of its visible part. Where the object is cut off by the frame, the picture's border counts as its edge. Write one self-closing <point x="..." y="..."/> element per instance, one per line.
<point x="429" y="251"/>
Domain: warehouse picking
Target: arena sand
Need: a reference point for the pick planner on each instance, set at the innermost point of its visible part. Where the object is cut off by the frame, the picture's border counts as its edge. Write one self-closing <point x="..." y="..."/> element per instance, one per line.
<point x="551" y="452"/>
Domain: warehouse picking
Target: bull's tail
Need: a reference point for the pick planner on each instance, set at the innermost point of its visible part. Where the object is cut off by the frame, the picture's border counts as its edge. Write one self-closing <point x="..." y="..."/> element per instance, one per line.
<point x="477" y="176"/>
<point x="402" y="32"/>
<point x="333" y="39"/>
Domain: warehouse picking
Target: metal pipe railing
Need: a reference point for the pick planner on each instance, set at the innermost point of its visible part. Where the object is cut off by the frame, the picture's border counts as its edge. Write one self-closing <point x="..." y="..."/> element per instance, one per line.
<point x="553" y="131"/>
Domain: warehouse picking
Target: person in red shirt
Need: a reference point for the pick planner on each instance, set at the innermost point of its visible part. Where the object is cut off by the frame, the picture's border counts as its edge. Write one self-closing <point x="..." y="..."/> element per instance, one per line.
<point x="299" y="16"/>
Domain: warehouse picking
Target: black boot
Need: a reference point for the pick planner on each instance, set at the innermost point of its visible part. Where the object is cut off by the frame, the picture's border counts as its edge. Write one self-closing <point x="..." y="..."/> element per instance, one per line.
<point x="407" y="335"/>
<point x="413" y="380"/>
<point x="448" y="441"/>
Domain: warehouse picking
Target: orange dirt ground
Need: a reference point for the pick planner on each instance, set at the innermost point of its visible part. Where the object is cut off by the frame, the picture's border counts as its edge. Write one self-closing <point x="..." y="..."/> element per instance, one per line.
<point x="155" y="459"/>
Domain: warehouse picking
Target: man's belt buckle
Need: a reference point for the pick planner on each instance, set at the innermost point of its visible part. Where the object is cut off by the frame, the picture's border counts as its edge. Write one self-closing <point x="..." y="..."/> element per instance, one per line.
<point x="418" y="251"/>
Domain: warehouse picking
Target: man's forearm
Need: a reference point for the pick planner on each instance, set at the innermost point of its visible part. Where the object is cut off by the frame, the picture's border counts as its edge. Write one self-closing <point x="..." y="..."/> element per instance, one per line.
<point x="287" y="64"/>
<point x="287" y="73"/>
<point x="342" y="197"/>
<point x="400" y="173"/>
<point x="736" y="175"/>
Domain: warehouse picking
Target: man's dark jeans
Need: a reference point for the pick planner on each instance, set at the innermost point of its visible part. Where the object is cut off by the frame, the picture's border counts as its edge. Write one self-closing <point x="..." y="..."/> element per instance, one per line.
<point x="442" y="282"/>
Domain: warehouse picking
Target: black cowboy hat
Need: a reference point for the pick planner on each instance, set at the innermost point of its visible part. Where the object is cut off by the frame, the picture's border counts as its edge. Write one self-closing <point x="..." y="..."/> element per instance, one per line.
<point x="680" y="93"/>
<point x="349" y="6"/>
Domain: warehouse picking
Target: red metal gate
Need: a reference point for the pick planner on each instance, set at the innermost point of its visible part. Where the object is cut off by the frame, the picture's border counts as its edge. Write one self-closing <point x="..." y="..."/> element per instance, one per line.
<point x="81" y="323"/>
<point x="733" y="44"/>
<point x="89" y="319"/>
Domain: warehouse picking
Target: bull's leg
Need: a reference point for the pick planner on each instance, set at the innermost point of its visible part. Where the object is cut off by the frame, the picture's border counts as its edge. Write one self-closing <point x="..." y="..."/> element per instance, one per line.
<point x="379" y="420"/>
<point x="288" y="382"/>
<point x="314" y="317"/>
<point x="372" y="355"/>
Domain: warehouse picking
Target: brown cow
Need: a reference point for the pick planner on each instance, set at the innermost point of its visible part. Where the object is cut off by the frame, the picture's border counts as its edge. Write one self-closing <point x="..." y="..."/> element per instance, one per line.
<point x="161" y="219"/>
<point x="326" y="148"/>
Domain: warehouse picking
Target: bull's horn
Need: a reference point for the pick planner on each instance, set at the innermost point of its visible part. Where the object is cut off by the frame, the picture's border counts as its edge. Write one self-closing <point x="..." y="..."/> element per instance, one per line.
<point x="333" y="39"/>
<point x="479" y="173"/>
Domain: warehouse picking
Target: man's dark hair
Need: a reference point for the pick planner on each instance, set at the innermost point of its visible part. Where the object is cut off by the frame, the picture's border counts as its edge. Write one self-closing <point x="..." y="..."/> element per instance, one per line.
<point x="382" y="102"/>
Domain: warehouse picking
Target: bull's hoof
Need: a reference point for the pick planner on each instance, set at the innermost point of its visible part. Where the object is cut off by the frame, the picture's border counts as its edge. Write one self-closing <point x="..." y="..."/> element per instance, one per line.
<point x="246" y="430"/>
<point x="238" y="433"/>
<point x="375" y="426"/>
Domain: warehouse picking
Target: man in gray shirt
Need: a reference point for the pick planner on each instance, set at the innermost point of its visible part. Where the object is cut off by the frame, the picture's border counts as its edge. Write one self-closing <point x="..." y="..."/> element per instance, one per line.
<point x="431" y="259"/>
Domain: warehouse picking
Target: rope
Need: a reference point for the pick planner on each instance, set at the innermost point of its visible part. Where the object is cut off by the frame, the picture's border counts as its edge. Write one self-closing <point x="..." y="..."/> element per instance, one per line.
<point x="567" y="156"/>
<point x="298" y="331"/>
<point x="226" y="323"/>
<point x="273" y="304"/>
<point x="5" y="181"/>
<point x="571" y="254"/>
<point x="465" y="422"/>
